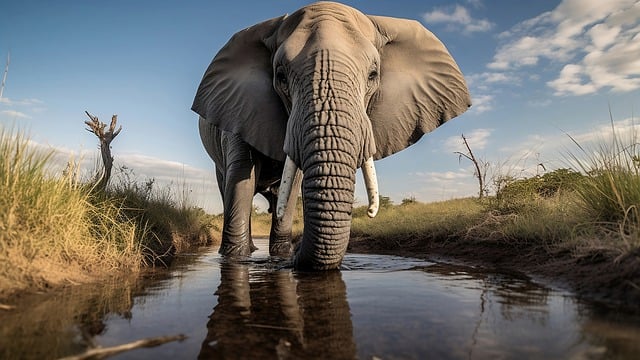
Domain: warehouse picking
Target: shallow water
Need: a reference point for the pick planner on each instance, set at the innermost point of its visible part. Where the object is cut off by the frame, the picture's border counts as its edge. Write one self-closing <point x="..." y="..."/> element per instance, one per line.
<point x="378" y="306"/>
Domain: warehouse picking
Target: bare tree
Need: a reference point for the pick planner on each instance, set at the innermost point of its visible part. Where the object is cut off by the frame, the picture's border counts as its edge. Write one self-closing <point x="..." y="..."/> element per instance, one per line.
<point x="105" y="137"/>
<point x="481" y="166"/>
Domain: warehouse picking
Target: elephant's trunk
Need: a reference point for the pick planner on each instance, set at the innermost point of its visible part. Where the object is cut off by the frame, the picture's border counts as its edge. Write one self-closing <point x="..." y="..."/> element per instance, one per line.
<point x="329" y="136"/>
<point x="327" y="189"/>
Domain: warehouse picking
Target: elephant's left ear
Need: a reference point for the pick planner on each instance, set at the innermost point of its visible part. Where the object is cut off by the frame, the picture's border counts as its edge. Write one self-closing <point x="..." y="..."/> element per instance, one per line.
<point x="421" y="85"/>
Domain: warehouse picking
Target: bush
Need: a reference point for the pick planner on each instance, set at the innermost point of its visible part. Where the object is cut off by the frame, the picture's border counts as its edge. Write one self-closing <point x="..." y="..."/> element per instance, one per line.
<point x="515" y="194"/>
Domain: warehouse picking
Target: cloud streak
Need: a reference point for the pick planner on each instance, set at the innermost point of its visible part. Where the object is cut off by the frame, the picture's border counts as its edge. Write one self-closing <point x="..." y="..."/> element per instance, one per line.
<point x="13" y="114"/>
<point x="596" y="42"/>
<point x="477" y="140"/>
<point x="456" y="17"/>
<point x="32" y="105"/>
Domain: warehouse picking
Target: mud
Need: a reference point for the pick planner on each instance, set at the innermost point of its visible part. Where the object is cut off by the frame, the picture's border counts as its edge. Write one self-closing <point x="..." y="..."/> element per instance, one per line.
<point x="597" y="276"/>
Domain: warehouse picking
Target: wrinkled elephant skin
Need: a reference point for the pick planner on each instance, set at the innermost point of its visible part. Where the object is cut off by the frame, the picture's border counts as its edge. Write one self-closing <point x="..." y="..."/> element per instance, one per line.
<point x="327" y="90"/>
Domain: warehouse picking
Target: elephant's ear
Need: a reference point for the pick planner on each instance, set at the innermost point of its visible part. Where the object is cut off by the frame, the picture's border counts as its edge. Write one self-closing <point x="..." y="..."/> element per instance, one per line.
<point x="421" y="85"/>
<point x="236" y="92"/>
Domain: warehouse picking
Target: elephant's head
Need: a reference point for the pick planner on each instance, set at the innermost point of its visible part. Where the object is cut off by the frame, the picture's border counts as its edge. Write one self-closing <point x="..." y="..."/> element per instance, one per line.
<point x="329" y="89"/>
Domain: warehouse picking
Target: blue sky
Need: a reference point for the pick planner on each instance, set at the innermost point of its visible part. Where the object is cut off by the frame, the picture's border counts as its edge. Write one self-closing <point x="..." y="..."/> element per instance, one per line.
<point x="537" y="70"/>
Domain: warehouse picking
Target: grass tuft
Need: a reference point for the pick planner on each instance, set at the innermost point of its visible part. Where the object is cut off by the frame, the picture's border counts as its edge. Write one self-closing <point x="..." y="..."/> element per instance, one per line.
<point x="51" y="230"/>
<point x="610" y="194"/>
<point x="55" y="229"/>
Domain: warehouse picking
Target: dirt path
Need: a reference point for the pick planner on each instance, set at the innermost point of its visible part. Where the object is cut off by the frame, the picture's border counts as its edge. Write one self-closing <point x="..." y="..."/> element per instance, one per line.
<point x="597" y="276"/>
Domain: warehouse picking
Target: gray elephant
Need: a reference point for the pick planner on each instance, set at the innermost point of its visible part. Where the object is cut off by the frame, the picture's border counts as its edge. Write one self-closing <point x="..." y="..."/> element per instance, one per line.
<point x="321" y="92"/>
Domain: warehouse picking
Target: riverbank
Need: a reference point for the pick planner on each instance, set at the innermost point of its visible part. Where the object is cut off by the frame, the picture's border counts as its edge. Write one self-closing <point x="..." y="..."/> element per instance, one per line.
<point x="57" y="229"/>
<point x="550" y="240"/>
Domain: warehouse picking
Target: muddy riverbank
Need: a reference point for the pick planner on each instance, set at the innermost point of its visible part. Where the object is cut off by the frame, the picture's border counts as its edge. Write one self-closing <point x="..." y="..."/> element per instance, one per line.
<point x="376" y="306"/>
<point x="597" y="275"/>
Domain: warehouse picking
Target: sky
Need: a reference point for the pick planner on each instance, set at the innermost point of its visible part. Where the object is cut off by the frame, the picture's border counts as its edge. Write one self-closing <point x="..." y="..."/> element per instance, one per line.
<point x="539" y="72"/>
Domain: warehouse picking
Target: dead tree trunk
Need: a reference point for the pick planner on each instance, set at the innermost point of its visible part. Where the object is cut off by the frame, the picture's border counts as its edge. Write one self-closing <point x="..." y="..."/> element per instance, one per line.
<point x="481" y="167"/>
<point x="98" y="128"/>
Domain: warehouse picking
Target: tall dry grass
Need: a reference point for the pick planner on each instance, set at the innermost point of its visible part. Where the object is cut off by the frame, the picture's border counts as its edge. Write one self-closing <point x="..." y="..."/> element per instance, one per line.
<point x="51" y="229"/>
<point x="610" y="193"/>
<point x="594" y="207"/>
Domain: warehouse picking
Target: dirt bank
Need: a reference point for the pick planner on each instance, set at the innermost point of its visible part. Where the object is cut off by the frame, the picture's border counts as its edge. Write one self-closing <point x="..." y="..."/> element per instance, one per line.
<point x="598" y="276"/>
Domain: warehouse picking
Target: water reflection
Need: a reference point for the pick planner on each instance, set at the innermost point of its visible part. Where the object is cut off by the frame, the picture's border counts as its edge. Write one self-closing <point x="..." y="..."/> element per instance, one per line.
<point x="67" y="322"/>
<point x="64" y="323"/>
<point x="385" y="307"/>
<point x="276" y="314"/>
<point x="514" y="293"/>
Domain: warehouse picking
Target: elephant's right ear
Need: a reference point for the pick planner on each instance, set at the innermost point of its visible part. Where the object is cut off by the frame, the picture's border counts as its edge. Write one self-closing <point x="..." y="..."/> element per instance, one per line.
<point x="236" y="92"/>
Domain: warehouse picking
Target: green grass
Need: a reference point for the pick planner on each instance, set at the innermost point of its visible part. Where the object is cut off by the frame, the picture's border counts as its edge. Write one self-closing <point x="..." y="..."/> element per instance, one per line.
<point x="610" y="194"/>
<point x="164" y="224"/>
<point x="55" y="229"/>
<point x="51" y="230"/>
<point x="591" y="208"/>
<point x="414" y="220"/>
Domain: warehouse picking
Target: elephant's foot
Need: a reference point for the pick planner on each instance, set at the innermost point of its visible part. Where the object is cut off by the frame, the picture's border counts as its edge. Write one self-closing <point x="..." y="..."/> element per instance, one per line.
<point x="229" y="248"/>
<point x="280" y="247"/>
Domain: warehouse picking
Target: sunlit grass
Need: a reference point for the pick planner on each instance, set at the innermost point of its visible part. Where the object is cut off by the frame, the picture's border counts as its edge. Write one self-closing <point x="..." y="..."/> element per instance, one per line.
<point x="594" y="207"/>
<point x="416" y="219"/>
<point x="56" y="229"/>
<point x="51" y="230"/>
<point x="610" y="193"/>
<point x="165" y="224"/>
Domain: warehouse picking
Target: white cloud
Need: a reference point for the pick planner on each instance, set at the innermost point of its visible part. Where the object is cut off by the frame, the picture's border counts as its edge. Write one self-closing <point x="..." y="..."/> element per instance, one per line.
<point x="626" y="131"/>
<point x="457" y="16"/>
<point x="475" y="3"/>
<point x="21" y="102"/>
<point x="477" y="140"/>
<point x="443" y="176"/>
<point x="12" y="114"/>
<point x="595" y="42"/>
<point x="481" y="84"/>
<point x="438" y="186"/>
<point x="481" y="103"/>
<point x="480" y="80"/>
<point x="32" y="105"/>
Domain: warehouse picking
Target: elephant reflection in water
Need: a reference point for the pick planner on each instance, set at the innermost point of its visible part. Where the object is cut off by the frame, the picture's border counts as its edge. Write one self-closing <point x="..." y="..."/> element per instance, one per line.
<point x="275" y="314"/>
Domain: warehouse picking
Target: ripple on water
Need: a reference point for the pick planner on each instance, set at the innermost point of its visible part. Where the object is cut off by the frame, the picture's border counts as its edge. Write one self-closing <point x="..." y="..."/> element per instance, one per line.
<point x="377" y="306"/>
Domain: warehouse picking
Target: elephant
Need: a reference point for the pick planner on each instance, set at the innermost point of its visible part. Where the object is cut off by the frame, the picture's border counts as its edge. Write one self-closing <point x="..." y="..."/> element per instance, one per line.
<point x="302" y="101"/>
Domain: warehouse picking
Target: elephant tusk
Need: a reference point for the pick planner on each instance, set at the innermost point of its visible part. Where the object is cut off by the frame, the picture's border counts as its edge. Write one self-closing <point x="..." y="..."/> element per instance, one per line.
<point x="371" y="183"/>
<point x="286" y="185"/>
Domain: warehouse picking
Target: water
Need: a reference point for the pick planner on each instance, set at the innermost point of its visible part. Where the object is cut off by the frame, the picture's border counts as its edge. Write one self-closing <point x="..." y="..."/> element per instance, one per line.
<point x="377" y="307"/>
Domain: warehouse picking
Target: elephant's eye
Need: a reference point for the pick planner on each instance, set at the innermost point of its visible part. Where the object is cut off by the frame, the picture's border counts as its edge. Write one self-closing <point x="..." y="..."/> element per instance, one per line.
<point x="373" y="74"/>
<point x="281" y="81"/>
<point x="281" y="77"/>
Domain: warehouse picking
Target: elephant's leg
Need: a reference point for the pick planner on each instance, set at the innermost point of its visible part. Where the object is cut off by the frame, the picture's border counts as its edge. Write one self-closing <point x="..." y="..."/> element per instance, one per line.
<point x="280" y="235"/>
<point x="239" y="188"/>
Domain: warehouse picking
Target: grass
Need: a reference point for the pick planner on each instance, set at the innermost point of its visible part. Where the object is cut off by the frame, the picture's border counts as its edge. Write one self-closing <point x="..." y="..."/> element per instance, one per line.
<point x="611" y="192"/>
<point x="544" y="222"/>
<point x="591" y="208"/>
<point x="57" y="230"/>
<point x="164" y="225"/>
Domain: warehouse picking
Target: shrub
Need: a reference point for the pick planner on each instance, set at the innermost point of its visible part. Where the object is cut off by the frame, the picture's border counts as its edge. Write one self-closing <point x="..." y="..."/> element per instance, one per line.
<point x="515" y="194"/>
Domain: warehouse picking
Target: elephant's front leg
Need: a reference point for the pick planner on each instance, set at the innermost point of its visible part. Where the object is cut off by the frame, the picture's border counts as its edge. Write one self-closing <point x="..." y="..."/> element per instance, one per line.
<point x="280" y="235"/>
<point x="239" y="188"/>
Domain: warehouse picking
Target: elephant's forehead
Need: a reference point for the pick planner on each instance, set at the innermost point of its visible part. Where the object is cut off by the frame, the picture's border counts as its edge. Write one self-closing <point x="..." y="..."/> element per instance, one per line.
<point x="327" y="24"/>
